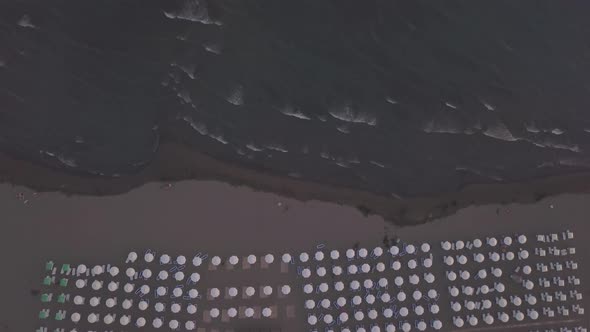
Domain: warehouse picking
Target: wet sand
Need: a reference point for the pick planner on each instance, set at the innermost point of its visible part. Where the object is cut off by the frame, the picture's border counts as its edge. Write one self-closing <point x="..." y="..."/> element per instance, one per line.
<point x="218" y="218"/>
<point x="189" y="164"/>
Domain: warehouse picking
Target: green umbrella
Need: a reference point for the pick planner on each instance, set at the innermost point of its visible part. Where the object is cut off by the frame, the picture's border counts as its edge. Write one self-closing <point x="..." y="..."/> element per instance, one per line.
<point x="47" y="281"/>
<point x="63" y="282"/>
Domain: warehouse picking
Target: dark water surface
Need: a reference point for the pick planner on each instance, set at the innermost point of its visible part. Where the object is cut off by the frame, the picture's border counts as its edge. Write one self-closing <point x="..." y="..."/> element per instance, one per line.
<point x="394" y="97"/>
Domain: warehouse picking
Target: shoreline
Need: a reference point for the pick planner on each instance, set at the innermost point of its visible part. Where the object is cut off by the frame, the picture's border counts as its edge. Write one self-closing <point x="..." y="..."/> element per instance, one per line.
<point x="191" y="165"/>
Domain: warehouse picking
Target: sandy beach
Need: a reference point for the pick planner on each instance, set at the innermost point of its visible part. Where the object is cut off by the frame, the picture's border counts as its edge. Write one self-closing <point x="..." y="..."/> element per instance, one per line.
<point x="219" y="218"/>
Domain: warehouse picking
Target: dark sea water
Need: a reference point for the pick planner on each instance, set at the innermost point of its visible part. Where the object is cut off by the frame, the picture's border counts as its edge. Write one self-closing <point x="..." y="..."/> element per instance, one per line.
<point x="396" y="97"/>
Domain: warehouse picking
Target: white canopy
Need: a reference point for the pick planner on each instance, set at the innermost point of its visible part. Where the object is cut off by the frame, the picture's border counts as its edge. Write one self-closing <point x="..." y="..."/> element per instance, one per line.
<point x="266" y="312"/>
<point x="319" y="256"/>
<point x="286" y="289"/>
<point x="191" y="309"/>
<point x="157" y="323"/>
<point x="173" y="324"/>
<point x="164" y="259"/>
<point x="148" y="257"/>
<point x="147" y="273"/>
<point x="114" y="271"/>
<point x="197" y="261"/>
<point x="92" y="318"/>
<point x="394" y="250"/>
<point x="96" y="285"/>
<point x="181" y="260"/>
<point x="233" y="260"/>
<point x="286" y="258"/>
<point x="269" y="258"/>
<point x="267" y="290"/>
<point x="132" y="257"/>
<point x="410" y="249"/>
<point x="477" y="243"/>
<point x="140" y="322"/>
<point x="214" y="312"/>
<point x="108" y="319"/>
<point x="81" y="269"/>
<point x="75" y="317"/>
<point x="130" y="272"/>
<point x="249" y="312"/>
<point x="94" y="301"/>
<point x="232" y="312"/>
<point x="216" y="260"/>
<point x="303" y="257"/>
<point x="163" y="275"/>
<point x="159" y="307"/>
<point x="195" y="277"/>
<point x="142" y="305"/>
<point x="179" y="276"/>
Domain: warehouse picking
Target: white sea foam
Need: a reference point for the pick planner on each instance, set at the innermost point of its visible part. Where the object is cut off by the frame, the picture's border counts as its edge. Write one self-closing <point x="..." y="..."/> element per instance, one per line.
<point x="68" y="161"/>
<point x="212" y="48"/>
<point x="532" y="128"/>
<point x="343" y="129"/>
<point x="236" y="96"/>
<point x="557" y="131"/>
<point x="276" y="147"/>
<point x="294" y="112"/>
<point x="342" y="164"/>
<point x="189" y="69"/>
<point x="587" y="130"/>
<point x="390" y="100"/>
<point x="25" y="22"/>
<point x="254" y="147"/>
<point x="218" y="138"/>
<point x="445" y="126"/>
<point x="449" y="105"/>
<point x="185" y="96"/>
<point x="348" y="114"/>
<point x="201" y="128"/>
<point x="376" y="163"/>
<point x="488" y="106"/>
<point x="499" y="131"/>
<point x="192" y="10"/>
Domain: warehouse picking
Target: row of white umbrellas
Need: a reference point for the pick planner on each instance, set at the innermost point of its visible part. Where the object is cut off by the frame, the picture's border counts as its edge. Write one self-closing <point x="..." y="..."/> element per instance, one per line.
<point x="249" y="291"/>
<point x="126" y="320"/>
<point x="342" y="318"/>
<point x="477" y="243"/>
<point x="356" y="300"/>
<point x="500" y="317"/>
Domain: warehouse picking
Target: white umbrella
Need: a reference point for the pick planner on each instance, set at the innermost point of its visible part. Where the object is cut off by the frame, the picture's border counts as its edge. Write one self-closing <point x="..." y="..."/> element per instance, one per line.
<point x="501" y="302"/>
<point x="96" y="285"/>
<point x="527" y="269"/>
<point x="108" y="319"/>
<point x="427" y="263"/>
<point x="414" y="279"/>
<point x="382" y="282"/>
<point x="432" y="293"/>
<point x="522" y="239"/>
<point x="341" y="301"/>
<point x="437" y="324"/>
<point x="533" y="314"/>
<point x="488" y="319"/>
<point x="410" y="249"/>
<point x="163" y="275"/>
<point x="142" y="305"/>
<point x="140" y="322"/>
<point x="482" y="274"/>
<point x="177" y="292"/>
<point x="175" y="308"/>
<point x="396" y="265"/>
<point x="372" y="314"/>
<point x="492" y="241"/>
<point x="359" y="315"/>
<point x="510" y="255"/>
<point x="132" y="257"/>
<point x="477" y="243"/>
<point x="110" y="302"/>
<point x="378" y="251"/>
<point x="503" y="317"/>
<point x="269" y="258"/>
<point x="181" y="260"/>
<point x="390" y="328"/>
<point x="216" y="260"/>
<point x="78" y="300"/>
<point x="529" y="285"/>
<point x="81" y="269"/>
<point x="497" y="272"/>
<point x="343" y="317"/>
<point x="249" y="312"/>
<point x="124" y="320"/>
<point x="425" y="247"/>
<point x="473" y="321"/>
<point x="311" y="319"/>
<point x="191" y="309"/>
<point x="164" y="259"/>
<point x="232" y="292"/>
<point x="523" y="254"/>
<point x="500" y="287"/>
<point x="286" y="289"/>
<point x="387" y="313"/>
<point x="157" y="323"/>
<point x="519" y="316"/>
<point x="403" y="311"/>
<point x="195" y="277"/>
<point x="197" y="261"/>
<point x="286" y="258"/>
<point x="159" y="307"/>
<point x="459" y="245"/>
<point x="321" y="271"/>
<point x="385" y="297"/>
<point x="484" y="289"/>
<point x="532" y="300"/>
<point x="307" y="289"/>
<point x="325" y="303"/>
<point x="232" y="312"/>
<point x="454" y="291"/>
<point x="421" y="326"/>
<point x="470" y="305"/>
<point x="94" y="301"/>
<point x="435" y="309"/>
<point x="370" y="299"/>
<point x="401" y="296"/>
<point x="495" y="257"/>
<point x="92" y="318"/>
<point x="173" y="324"/>
<point x="337" y="270"/>
<point x="449" y="260"/>
<point x="161" y="291"/>
<point x="412" y="264"/>
<point x="419" y="310"/>
<point x="214" y="312"/>
<point x="114" y="271"/>
<point x="399" y="281"/>
<point x="352" y="269"/>
<point x="323" y="287"/>
<point x="516" y="300"/>
<point x="250" y="291"/>
<point x="406" y="327"/>
<point x="130" y="272"/>
<point x="80" y="283"/>
<point x="75" y="317"/>
<point x="233" y="260"/>
<point x="468" y="290"/>
<point x="147" y="273"/>
<point x="486" y="304"/>
<point x="310" y="304"/>
<point x="267" y="290"/>
<point x="363" y="253"/>
<point x="266" y="312"/>
<point x="334" y="254"/>
<point x="356" y="300"/>
<point x="214" y="292"/>
<point x="355" y="284"/>
<point x="456" y="306"/>
<point x="148" y="257"/>
<point x="339" y="286"/>
<point x="465" y="275"/>
<point x="365" y="268"/>
<point x="319" y="256"/>
<point x="179" y="276"/>
<point x="462" y="259"/>
<point x="417" y="295"/>
<point x="458" y="321"/>
<point x="429" y="277"/>
<point x="306" y="273"/>
<point x="508" y="240"/>
<point x="380" y="267"/>
<point x="126" y="304"/>
<point x="446" y="245"/>
<point x="303" y="257"/>
<point x="394" y="250"/>
<point x="145" y="289"/>
<point x="479" y="258"/>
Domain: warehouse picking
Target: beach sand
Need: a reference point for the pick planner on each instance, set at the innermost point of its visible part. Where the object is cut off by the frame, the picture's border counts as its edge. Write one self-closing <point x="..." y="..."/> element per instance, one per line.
<point x="221" y="219"/>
